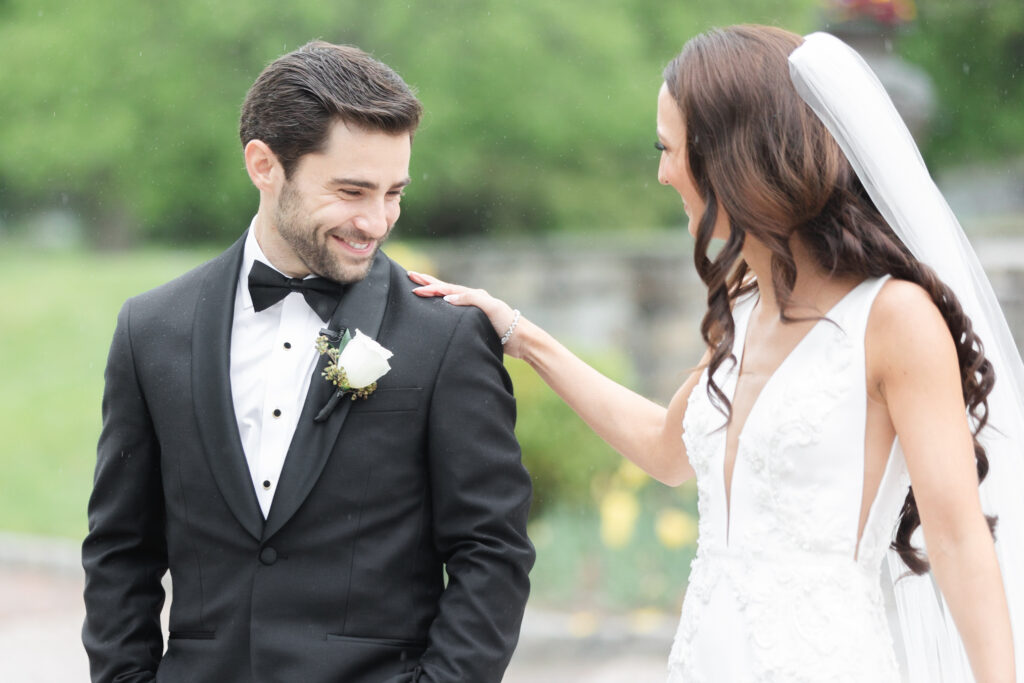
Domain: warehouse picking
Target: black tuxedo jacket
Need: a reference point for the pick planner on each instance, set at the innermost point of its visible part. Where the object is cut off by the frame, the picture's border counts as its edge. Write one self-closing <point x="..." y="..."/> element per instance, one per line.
<point x="395" y="549"/>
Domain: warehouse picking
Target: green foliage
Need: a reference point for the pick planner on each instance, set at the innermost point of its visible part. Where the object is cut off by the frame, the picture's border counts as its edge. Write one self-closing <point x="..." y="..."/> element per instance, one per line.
<point x="974" y="52"/>
<point x="540" y="115"/>
<point x="561" y="452"/>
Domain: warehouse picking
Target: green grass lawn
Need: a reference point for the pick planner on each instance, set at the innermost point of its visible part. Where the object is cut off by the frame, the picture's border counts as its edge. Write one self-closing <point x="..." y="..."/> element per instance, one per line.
<point x="57" y="314"/>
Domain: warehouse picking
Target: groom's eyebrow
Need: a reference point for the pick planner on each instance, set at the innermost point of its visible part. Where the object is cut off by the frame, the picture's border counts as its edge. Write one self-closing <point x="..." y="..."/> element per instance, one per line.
<point x="367" y="185"/>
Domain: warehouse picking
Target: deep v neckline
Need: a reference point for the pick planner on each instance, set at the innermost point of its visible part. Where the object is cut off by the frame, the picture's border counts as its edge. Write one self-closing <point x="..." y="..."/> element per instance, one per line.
<point x="741" y="339"/>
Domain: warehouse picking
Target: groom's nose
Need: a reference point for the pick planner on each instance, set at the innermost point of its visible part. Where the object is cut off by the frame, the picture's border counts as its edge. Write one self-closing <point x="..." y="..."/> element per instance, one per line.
<point x="374" y="220"/>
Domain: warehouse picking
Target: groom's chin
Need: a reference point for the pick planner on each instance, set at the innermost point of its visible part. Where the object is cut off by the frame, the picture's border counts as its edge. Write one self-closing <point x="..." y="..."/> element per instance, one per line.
<point x="351" y="273"/>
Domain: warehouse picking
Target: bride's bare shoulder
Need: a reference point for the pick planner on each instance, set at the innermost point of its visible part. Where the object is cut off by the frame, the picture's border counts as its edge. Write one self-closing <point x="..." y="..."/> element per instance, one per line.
<point x="906" y="332"/>
<point x="902" y="306"/>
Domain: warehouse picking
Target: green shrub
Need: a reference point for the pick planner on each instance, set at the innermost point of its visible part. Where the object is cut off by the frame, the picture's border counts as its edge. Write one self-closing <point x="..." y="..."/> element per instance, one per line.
<point x="561" y="452"/>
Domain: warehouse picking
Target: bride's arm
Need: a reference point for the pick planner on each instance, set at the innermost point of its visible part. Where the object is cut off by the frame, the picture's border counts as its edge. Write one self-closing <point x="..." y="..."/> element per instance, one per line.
<point x="919" y="379"/>
<point x="641" y="430"/>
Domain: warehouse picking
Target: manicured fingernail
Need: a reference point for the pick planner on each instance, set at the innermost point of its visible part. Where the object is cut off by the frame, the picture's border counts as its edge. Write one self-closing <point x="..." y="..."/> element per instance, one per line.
<point x="452" y="298"/>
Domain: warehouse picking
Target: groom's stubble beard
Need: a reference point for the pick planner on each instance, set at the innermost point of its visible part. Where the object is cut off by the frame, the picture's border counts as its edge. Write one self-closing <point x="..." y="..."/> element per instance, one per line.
<point x="309" y="240"/>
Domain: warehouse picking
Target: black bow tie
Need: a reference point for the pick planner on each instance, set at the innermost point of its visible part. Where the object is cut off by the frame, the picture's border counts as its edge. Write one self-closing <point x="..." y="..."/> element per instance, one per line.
<point x="267" y="287"/>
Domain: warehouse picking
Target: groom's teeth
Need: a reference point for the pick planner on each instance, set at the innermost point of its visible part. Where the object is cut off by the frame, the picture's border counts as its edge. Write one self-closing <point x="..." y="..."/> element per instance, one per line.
<point x="357" y="245"/>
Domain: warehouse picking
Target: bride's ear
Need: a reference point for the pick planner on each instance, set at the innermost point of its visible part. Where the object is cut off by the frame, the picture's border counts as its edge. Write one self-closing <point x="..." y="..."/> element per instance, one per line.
<point x="264" y="168"/>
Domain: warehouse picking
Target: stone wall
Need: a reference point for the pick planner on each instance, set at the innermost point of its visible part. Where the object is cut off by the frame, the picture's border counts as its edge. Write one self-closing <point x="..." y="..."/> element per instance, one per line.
<point x="642" y="299"/>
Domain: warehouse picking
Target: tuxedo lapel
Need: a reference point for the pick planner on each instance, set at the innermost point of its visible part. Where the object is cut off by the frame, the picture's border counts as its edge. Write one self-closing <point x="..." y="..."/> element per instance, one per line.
<point x="211" y="389"/>
<point x="361" y="308"/>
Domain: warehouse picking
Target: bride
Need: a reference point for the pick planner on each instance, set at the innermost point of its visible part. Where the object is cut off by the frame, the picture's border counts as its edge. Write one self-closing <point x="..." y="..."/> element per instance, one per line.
<point x="854" y="348"/>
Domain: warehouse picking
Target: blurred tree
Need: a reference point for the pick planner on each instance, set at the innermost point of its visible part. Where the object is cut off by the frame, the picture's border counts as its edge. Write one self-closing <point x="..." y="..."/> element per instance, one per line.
<point x="125" y="109"/>
<point x="540" y="115"/>
<point x="974" y="52"/>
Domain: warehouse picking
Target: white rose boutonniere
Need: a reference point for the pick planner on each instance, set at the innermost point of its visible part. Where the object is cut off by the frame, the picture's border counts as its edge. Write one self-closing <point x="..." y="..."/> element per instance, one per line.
<point x="356" y="363"/>
<point x="363" y="361"/>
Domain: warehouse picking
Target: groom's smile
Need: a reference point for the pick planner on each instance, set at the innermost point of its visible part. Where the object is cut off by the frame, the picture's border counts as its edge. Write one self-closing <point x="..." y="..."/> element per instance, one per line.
<point x="357" y="248"/>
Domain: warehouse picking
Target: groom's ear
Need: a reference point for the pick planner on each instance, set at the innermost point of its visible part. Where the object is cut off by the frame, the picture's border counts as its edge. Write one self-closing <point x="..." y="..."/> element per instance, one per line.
<point x="265" y="171"/>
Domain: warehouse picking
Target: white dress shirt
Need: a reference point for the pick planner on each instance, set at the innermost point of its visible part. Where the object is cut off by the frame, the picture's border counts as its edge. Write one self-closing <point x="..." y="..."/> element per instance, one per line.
<point x="272" y="359"/>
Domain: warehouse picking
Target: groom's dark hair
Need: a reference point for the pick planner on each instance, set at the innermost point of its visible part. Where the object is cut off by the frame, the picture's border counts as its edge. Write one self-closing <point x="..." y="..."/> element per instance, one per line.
<point x="297" y="98"/>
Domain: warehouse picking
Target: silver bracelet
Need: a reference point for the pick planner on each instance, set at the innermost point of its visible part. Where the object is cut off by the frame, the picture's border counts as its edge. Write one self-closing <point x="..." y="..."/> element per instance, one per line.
<point x="512" y="327"/>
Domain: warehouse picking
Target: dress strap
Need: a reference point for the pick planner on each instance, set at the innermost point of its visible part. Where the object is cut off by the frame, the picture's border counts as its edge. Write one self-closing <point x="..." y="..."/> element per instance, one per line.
<point x="853" y="312"/>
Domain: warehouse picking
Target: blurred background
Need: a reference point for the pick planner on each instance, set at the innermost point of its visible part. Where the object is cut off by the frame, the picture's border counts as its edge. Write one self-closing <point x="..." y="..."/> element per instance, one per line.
<point x="534" y="176"/>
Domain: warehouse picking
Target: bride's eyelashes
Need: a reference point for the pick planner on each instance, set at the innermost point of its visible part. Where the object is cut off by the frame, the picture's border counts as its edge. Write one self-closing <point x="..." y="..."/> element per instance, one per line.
<point x="659" y="146"/>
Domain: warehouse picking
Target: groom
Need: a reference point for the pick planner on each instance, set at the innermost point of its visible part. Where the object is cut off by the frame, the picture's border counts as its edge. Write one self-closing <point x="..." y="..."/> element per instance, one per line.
<point x="376" y="538"/>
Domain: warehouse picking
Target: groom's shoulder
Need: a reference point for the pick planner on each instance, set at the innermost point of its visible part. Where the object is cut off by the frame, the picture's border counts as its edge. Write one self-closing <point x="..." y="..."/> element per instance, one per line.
<point x="433" y="315"/>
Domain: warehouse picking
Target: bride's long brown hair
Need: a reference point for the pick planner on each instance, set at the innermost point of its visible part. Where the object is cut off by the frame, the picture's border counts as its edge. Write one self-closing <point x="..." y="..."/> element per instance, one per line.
<point x="758" y="151"/>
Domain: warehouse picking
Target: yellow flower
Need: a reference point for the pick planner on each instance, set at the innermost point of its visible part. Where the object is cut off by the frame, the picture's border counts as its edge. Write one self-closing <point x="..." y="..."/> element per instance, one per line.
<point x="583" y="624"/>
<point x="647" y="620"/>
<point x="630" y="476"/>
<point x="675" y="528"/>
<point x="410" y="258"/>
<point x="619" y="510"/>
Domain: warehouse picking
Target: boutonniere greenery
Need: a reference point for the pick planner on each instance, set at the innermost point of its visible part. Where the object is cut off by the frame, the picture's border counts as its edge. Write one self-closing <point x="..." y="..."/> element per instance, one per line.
<point x="356" y="363"/>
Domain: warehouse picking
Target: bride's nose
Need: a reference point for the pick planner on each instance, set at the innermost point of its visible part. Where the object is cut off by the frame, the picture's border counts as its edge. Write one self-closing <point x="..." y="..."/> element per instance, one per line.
<point x="662" y="175"/>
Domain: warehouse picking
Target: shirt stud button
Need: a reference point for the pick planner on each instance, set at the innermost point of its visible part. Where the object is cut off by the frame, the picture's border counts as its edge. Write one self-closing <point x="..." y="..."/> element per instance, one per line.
<point x="266" y="484"/>
<point x="287" y="345"/>
<point x="277" y="412"/>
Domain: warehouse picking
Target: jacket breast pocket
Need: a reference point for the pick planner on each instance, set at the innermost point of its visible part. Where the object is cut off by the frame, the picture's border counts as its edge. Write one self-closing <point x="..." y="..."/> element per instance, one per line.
<point x="390" y="401"/>
<point x="192" y="635"/>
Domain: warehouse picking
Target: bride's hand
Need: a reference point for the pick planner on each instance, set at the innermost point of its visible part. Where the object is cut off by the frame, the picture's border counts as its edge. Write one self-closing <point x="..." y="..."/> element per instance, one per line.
<point x="497" y="311"/>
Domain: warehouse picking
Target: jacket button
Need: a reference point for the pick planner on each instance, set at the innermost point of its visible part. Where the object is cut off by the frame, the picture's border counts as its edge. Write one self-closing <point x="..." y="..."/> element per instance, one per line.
<point x="268" y="556"/>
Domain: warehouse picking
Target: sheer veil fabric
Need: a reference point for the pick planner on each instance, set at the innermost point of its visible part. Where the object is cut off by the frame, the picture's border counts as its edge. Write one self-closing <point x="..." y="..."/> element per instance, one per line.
<point x="848" y="98"/>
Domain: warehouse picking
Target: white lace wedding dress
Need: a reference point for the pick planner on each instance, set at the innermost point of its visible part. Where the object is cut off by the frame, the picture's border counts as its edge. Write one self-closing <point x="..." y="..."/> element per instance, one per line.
<point x="780" y="590"/>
